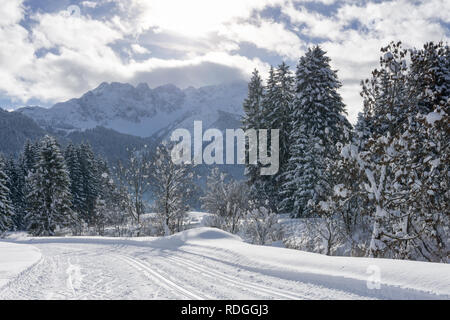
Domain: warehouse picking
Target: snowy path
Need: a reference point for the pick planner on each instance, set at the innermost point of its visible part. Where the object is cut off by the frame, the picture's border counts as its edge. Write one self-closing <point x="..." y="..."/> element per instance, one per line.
<point x="210" y="264"/>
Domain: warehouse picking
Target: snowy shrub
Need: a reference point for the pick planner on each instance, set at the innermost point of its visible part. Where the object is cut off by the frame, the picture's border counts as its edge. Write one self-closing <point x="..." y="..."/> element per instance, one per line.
<point x="214" y="221"/>
<point x="173" y="186"/>
<point x="317" y="236"/>
<point x="227" y="200"/>
<point x="262" y="227"/>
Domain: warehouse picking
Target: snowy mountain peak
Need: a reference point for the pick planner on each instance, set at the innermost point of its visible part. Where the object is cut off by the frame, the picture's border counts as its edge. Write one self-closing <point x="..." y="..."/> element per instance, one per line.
<point x="140" y="110"/>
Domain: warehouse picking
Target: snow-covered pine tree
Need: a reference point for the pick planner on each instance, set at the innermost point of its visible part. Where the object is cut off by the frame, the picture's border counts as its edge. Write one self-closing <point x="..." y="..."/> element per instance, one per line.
<point x="49" y="198"/>
<point x="6" y="208"/>
<point x="173" y="185"/>
<point x="385" y="95"/>
<point x="319" y="126"/>
<point x="405" y="159"/>
<point x="424" y="162"/>
<point x="362" y="131"/>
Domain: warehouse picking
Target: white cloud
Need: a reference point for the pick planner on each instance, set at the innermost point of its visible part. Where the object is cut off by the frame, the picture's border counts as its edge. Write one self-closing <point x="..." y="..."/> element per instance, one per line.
<point x="355" y="52"/>
<point x="11" y="12"/>
<point x="60" y="57"/>
<point x="194" y="18"/>
<point x="267" y="35"/>
<point x="139" y="49"/>
<point x="80" y="57"/>
<point x="89" y="4"/>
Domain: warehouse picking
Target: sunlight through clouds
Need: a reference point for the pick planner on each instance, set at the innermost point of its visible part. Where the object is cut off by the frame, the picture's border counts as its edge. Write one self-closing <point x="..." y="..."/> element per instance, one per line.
<point x="58" y="57"/>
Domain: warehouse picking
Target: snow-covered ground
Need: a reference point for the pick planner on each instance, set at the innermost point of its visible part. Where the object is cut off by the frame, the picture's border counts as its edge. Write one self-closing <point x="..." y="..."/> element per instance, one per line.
<point x="16" y="259"/>
<point x="203" y="263"/>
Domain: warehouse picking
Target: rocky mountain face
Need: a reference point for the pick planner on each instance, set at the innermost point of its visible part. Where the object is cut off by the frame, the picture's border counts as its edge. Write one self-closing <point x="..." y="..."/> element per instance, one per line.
<point x="142" y="111"/>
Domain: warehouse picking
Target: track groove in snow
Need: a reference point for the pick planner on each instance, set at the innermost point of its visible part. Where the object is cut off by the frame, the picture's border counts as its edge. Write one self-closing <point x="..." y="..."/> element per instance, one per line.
<point x="263" y="290"/>
<point x="207" y="263"/>
<point x="152" y="274"/>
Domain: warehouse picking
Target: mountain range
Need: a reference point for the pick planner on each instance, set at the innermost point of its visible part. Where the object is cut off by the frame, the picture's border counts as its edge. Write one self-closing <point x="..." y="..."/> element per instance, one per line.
<point x="116" y="116"/>
<point x="142" y="111"/>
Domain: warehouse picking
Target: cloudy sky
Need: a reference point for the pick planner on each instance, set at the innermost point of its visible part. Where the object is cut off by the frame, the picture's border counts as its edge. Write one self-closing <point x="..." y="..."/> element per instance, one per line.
<point x="53" y="50"/>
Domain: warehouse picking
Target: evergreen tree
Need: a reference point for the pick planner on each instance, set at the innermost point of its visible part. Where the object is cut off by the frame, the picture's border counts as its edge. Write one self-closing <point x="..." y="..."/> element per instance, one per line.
<point x="318" y="128"/>
<point x="279" y="117"/>
<point x="263" y="188"/>
<point x="76" y="183"/>
<point x="404" y="154"/>
<point x="16" y="185"/>
<point x="49" y="198"/>
<point x="423" y="160"/>
<point x="87" y="182"/>
<point x="275" y="113"/>
<point x="253" y="103"/>
<point x="253" y="120"/>
<point x="385" y="95"/>
<point x="30" y="155"/>
<point x="6" y="208"/>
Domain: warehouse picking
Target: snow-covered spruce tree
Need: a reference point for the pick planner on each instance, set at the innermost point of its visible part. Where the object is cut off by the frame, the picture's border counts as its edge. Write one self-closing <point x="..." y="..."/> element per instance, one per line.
<point x="252" y="119"/>
<point x="278" y="115"/>
<point x="49" y="198"/>
<point x="134" y="176"/>
<point x="86" y="183"/>
<point x="319" y="126"/>
<point x="253" y="103"/>
<point x="71" y="156"/>
<point x="275" y="114"/>
<point x="227" y="200"/>
<point x="173" y="185"/>
<point x="16" y="185"/>
<point x="30" y="155"/>
<point x="73" y="165"/>
<point x="262" y="188"/>
<point x="6" y="208"/>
